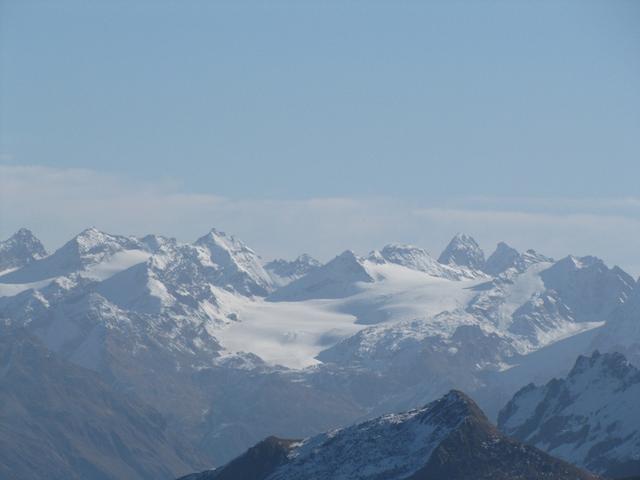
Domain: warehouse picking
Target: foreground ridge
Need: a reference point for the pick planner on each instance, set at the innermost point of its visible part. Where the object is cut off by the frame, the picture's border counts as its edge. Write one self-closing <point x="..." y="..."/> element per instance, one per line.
<point x="449" y="438"/>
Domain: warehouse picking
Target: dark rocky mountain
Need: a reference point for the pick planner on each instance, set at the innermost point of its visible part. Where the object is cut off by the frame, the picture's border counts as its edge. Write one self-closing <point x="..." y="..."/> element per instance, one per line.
<point x="62" y="422"/>
<point x="256" y="463"/>
<point x="449" y="439"/>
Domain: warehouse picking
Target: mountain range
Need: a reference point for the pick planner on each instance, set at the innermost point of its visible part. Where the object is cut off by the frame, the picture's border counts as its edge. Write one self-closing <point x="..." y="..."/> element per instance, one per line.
<point x="229" y="349"/>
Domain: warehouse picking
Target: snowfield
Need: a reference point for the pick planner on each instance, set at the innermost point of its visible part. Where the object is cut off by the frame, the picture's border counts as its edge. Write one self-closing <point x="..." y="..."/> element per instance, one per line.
<point x="292" y="334"/>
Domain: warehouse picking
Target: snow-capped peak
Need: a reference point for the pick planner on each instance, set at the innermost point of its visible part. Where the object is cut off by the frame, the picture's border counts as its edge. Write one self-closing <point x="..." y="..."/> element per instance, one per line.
<point x="506" y="257"/>
<point x="239" y="267"/>
<point x="588" y="287"/>
<point x="93" y="242"/>
<point x="20" y="249"/>
<point x="463" y="251"/>
<point x="338" y="278"/>
<point x="408" y="256"/>
<point x="89" y="248"/>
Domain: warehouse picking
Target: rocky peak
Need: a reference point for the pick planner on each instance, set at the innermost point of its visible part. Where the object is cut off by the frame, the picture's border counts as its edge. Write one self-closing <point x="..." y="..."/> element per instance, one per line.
<point x="94" y="244"/>
<point x="506" y="257"/>
<point x="20" y="249"/>
<point x="463" y="251"/>
<point x="503" y="258"/>
<point x="453" y="408"/>
<point x="302" y="265"/>
<point x="408" y="256"/>
<point x="90" y="247"/>
<point x="158" y="243"/>
<point x="239" y="267"/>
<point x="613" y="365"/>
<point x="588" y="287"/>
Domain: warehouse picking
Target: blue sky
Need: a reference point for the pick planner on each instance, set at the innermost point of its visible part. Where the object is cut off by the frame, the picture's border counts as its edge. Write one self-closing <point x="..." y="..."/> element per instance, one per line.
<point x="494" y="106"/>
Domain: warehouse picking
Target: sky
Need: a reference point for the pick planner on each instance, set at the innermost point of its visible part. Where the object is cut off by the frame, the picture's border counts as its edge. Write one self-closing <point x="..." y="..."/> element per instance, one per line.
<point x="319" y="126"/>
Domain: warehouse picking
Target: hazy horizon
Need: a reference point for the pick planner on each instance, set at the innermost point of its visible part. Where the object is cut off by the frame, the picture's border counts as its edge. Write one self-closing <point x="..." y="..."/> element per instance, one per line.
<point x="304" y="127"/>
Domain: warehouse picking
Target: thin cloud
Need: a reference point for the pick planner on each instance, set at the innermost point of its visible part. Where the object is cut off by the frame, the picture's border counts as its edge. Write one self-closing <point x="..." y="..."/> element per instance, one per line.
<point x="58" y="203"/>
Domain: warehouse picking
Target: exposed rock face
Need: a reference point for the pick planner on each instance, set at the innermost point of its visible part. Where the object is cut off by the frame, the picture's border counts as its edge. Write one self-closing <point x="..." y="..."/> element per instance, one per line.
<point x="588" y="287"/>
<point x="506" y="257"/>
<point x="20" y="249"/>
<point x="283" y="272"/>
<point x="463" y="251"/>
<point x="237" y="266"/>
<point x="257" y="463"/>
<point x="590" y="418"/>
